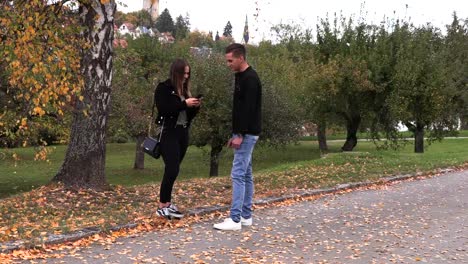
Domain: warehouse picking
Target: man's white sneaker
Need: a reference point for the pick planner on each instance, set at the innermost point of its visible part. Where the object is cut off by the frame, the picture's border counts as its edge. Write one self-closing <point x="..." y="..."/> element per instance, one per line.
<point x="228" y="225"/>
<point x="246" y="222"/>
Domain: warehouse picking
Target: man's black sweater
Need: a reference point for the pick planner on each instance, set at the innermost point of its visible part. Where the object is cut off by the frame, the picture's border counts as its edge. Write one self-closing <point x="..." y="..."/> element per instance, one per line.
<point x="247" y="104"/>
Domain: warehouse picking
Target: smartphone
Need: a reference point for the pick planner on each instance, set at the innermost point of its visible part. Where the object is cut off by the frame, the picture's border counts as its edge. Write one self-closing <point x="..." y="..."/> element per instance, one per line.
<point x="199" y="96"/>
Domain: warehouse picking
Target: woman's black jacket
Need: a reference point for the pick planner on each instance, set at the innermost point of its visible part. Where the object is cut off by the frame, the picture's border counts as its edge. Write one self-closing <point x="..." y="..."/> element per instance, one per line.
<point x="169" y="105"/>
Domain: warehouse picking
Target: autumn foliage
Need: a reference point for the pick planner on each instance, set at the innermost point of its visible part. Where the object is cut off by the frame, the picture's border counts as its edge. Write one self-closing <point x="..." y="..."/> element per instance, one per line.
<point x="40" y="48"/>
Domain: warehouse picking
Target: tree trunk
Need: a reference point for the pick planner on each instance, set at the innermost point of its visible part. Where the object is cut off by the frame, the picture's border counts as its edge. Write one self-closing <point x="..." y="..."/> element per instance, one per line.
<point x="464" y="122"/>
<point x="322" y="136"/>
<point x="352" y="126"/>
<point x="419" y="139"/>
<point x="139" y="163"/>
<point x="214" y="159"/>
<point x="84" y="164"/>
<point x="418" y="132"/>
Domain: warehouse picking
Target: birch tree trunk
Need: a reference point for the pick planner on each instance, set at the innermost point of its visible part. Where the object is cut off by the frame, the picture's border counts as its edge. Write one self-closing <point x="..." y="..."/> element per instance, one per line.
<point x="84" y="164"/>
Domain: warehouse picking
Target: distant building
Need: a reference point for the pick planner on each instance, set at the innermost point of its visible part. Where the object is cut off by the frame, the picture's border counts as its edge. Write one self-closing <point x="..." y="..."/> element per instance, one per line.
<point x="139" y="31"/>
<point x="166" y="37"/>
<point x="127" y="28"/>
<point x="201" y="51"/>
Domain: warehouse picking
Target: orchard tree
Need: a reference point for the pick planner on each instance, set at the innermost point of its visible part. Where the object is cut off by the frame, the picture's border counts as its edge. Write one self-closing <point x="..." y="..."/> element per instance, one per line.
<point x="311" y="78"/>
<point x="456" y="61"/>
<point x="132" y="99"/>
<point x="317" y="103"/>
<point x="351" y="99"/>
<point x="281" y="113"/>
<point x="138" y="69"/>
<point x="212" y="126"/>
<point x="420" y="98"/>
<point x="381" y="63"/>
<point x="280" y="121"/>
<point x="347" y="46"/>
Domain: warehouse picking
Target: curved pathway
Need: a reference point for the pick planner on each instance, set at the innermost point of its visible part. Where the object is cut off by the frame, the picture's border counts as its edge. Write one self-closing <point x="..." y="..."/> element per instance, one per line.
<point x="413" y="221"/>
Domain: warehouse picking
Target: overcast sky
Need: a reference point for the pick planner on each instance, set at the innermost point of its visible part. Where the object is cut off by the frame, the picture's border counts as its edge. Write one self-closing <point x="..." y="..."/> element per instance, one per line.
<point x="212" y="15"/>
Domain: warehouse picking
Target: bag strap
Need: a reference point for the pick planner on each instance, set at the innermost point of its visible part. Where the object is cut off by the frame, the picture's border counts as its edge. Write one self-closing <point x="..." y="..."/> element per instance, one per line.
<point x="162" y="128"/>
<point x="152" y="119"/>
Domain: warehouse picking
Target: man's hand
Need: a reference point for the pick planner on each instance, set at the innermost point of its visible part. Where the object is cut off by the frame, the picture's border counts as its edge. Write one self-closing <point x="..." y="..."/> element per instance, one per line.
<point x="235" y="142"/>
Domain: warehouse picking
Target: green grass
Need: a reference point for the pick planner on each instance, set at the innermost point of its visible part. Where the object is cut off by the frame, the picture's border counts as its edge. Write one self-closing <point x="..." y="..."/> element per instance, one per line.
<point x="364" y="135"/>
<point x="26" y="174"/>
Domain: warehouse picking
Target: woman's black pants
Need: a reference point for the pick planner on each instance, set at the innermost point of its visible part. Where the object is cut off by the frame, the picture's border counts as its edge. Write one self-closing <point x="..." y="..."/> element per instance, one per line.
<point x="174" y="144"/>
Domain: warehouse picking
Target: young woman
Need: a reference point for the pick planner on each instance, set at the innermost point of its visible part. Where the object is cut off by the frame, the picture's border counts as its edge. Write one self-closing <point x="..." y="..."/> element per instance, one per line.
<point x="176" y="110"/>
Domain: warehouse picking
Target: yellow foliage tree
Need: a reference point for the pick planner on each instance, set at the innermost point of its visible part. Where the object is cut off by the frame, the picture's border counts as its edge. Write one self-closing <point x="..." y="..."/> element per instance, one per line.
<point x="59" y="55"/>
<point x="41" y="62"/>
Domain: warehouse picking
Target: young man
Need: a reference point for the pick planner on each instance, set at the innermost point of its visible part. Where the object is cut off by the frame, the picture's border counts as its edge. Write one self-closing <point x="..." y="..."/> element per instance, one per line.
<point x="246" y="126"/>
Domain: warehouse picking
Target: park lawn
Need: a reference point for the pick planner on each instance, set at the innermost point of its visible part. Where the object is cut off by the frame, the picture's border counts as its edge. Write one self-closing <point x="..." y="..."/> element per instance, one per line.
<point x="52" y="209"/>
<point x="366" y="136"/>
<point x="26" y="174"/>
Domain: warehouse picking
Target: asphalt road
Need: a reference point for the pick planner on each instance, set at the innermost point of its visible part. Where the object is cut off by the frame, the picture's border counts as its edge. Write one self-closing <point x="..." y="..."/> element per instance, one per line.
<point x="421" y="221"/>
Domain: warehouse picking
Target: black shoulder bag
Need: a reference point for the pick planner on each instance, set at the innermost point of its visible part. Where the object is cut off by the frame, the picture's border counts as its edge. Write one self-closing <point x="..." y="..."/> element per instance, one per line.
<point x="151" y="146"/>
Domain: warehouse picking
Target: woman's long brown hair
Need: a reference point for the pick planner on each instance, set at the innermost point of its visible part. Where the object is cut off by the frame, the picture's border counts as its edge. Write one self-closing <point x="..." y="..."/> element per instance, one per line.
<point x="177" y="77"/>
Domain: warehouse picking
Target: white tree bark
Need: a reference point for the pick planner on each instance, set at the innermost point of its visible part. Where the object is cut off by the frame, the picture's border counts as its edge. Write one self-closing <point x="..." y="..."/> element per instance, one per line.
<point x="84" y="164"/>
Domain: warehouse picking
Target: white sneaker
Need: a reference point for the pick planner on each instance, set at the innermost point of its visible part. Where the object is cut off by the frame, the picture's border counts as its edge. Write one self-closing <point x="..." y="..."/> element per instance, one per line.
<point x="228" y="225"/>
<point x="246" y="222"/>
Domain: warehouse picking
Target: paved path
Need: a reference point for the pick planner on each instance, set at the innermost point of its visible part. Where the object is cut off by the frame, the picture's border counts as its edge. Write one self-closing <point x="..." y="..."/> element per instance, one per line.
<point x="422" y="221"/>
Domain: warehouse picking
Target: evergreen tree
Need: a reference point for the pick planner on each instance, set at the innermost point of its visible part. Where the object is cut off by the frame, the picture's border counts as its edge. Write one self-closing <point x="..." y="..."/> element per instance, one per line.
<point x="182" y="27"/>
<point x="164" y="23"/>
<point x="228" y="30"/>
<point x="217" y="36"/>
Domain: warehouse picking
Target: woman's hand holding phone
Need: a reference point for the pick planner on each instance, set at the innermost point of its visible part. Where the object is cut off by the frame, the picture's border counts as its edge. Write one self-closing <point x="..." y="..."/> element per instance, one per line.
<point x="192" y="102"/>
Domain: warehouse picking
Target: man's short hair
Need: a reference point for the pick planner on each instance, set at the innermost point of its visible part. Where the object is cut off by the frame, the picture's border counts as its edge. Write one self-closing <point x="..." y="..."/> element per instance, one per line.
<point x="237" y="50"/>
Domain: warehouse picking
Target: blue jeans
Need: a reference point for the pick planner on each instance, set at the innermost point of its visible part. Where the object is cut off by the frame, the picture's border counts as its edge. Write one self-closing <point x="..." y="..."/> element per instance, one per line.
<point x="242" y="179"/>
